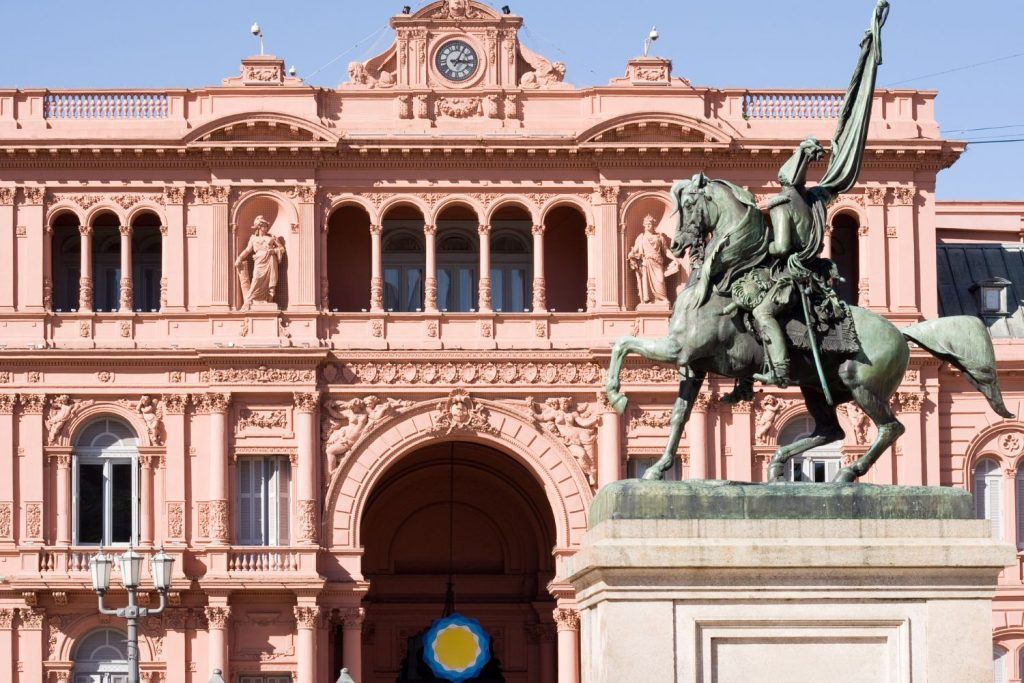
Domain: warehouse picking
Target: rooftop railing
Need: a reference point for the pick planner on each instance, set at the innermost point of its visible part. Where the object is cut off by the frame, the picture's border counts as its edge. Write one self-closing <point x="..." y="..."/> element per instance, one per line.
<point x="106" y="106"/>
<point x="782" y="105"/>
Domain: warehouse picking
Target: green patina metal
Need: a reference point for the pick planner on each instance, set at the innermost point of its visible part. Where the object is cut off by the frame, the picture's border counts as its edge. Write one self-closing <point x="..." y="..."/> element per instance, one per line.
<point x="723" y="500"/>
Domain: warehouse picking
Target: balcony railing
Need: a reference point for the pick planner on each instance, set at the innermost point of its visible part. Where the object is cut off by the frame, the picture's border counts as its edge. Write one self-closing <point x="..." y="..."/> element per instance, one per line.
<point x="262" y="560"/>
<point x="106" y="105"/>
<point x="782" y="105"/>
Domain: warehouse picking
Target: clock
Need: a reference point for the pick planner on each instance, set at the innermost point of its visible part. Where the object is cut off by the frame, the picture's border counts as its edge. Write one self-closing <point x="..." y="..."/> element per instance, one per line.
<point x="457" y="60"/>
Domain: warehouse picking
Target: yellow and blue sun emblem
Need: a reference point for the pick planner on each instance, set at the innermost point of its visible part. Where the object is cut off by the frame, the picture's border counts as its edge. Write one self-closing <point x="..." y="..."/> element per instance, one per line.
<point x="456" y="648"/>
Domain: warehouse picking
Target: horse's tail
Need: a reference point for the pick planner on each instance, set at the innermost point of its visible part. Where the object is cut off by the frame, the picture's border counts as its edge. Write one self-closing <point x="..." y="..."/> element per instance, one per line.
<point x="964" y="342"/>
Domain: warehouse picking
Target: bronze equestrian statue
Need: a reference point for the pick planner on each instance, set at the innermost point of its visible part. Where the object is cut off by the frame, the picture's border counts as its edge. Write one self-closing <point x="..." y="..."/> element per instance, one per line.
<point x="755" y="291"/>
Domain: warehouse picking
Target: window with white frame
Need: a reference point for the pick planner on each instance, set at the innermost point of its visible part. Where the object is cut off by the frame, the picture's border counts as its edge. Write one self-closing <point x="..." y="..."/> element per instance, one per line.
<point x="264" y="486"/>
<point x="458" y="262"/>
<point x="403" y="262"/>
<point x="511" y="270"/>
<point x="988" y="494"/>
<point x="635" y="468"/>
<point x="102" y="657"/>
<point x="818" y="465"/>
<point x="999" y="664"/>
<point x="105" y="484"/>
<point x="1019" y="484"/>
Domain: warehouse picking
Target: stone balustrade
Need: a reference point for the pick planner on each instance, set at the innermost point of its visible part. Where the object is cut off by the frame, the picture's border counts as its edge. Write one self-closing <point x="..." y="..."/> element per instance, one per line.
<point x="106" y="105"/>
<point x="262" y="560"/>
<point x="792" y="105"/>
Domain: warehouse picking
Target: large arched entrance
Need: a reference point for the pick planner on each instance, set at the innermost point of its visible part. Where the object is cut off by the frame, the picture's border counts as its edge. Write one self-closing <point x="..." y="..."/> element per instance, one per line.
<point x="504" y="534"/>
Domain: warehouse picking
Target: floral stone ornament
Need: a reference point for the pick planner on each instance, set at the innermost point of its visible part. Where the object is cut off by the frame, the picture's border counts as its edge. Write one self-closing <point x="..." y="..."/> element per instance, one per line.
<point x="456" y="648"/>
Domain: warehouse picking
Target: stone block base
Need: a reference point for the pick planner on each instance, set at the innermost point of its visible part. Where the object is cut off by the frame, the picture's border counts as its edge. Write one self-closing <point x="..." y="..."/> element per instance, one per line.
<point x="712" y="582"/>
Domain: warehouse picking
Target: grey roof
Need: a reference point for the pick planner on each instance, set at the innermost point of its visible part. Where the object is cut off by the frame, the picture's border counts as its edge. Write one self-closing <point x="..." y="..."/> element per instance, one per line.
<point x="962" y="266"/>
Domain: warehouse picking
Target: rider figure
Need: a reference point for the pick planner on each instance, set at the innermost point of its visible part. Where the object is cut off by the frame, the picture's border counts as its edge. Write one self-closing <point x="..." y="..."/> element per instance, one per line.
<point x="793" y="235"/>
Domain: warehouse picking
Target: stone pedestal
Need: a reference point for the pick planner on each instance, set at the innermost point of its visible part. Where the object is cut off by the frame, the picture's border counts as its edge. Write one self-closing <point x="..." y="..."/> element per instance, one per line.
<point x="702" y="582"/>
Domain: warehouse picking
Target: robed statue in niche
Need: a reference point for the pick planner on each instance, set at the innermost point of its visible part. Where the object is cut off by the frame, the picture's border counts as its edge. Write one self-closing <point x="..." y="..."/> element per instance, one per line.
<point x="265" y="251"/>
<point x="651" y="262"/>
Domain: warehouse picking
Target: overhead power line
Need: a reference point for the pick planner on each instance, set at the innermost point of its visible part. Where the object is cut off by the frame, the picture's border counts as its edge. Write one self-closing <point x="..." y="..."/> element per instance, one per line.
<point x="958" y="68"/>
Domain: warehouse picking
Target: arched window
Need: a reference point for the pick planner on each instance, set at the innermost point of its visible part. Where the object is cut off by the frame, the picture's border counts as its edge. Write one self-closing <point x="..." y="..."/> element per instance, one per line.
<point x="458" y="266"/>
<point x="106" y="263"/>
<point x="817" y="465"/>
<point x="988" y="494"/>
<point x="565" y="259"/>
<point x="65" y="262"/>
<point x="105" y="484"/>
<point x="403" y="270"/>
<point x="846" y="254"/>
<point x="102" y="657"/>
<point x="147" y="266"/>
<point x="998" y="664"/>
<point x="349" y="268"/>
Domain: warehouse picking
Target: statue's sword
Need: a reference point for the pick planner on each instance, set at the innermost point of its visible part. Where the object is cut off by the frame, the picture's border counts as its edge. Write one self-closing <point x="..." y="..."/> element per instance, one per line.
<point x="805" y="300"/>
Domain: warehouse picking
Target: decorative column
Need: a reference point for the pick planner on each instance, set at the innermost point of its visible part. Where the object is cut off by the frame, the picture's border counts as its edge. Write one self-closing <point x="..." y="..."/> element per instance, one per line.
<point x="352" y="641"/>
<point x="31" y="475"/>
<point x="873" y="247"/>
<point x="430" y="281"/>
<point x="147" y="505"/>
<point x="7" y="405"/>
<point x="540" y="299"/>
<point x="126" y="269"/>
<point x="909" y="451"/>
<point x="697" y="436"/>
<point x="306" y="475"/>
<point x="741" y="466"/>
<point x="302" y="282"/>
<point x="1009" y="518"/>
<point x="485" y="267"/>
<point x="220" y="245"/>
<point x="593" y="265"/>
<point x="306" y="619"/>
<point x="906" y="270"/>
<point x="609" y="445"/>
<point x="28" y="243"/>
<point x="567" y="621"/>
<point x="606" y="217"/>
<point x="173" y="250"/>
<point x="62" y="463"/>
<point x="175" y="406"/>
<point x="7" y="644"/>
<point x="376" y="269"/>
<point x="218" y="618"/>
<point x="31" y="644"/>
<point x="8" y="249"/>
<point x="85" y="269"/>
<point x="216" y="407"/>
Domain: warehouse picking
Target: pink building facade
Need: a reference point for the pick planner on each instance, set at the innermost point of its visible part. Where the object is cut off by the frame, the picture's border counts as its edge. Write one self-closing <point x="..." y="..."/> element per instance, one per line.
<point x="295" y="335"/>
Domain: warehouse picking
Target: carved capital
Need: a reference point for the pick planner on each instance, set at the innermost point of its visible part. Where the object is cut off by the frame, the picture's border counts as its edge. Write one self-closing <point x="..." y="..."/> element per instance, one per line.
<point x="211" y="403"/>
<point x="904" y="195"/>
<point x="175" y="404"/>
<point x="484" y="230"/>
<point x="125" y="230"/>
<point x="876" y="195"/>
<point x="7" y="403"/>
<point x="218" y="617"/>
<point x="34" y="195"/>
<point x="376" y="230"/>
<point x="567" y="619"/>
<point x="31" y="618"/>
<point x="6" y="195"/>
<point x="429" y="229"/>
<point x="702" y="402"/>
<point x="32" y="404"/>
<point x="6" y="618"/>
<point x="353" y="618"/>
<point x="174" y="195"/>
<point x="537" y="230"/>
<point x="85" y="230"/>
<point x="909" y="401"/>
<point x="306" y="617"/>
<point x="306" y="402"/>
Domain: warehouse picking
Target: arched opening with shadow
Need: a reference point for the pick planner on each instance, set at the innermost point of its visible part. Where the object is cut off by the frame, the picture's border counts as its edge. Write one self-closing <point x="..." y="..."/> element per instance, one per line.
<point x="818" y="465"/>
<point x="348" y="259"/>
<point x="846" y="254"/>
<point x="147" y="258"/>
<point x="106" y="262"/>
<point x="499" y="551"/>
<point x="565" y="259"/>
<point x="511" y="259"/>
<point x="458" y="259"/>
<point x="404" y="259"/>
<point x="65" y="262"/>
<point x="101" y="657"/>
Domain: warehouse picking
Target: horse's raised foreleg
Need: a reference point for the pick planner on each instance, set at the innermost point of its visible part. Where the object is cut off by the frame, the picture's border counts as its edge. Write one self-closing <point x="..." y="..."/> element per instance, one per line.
<point x="826" y="430"/>
<point x="889" y="429"/>
<point x="664" y="350"/>
<point x="688" y="390"/>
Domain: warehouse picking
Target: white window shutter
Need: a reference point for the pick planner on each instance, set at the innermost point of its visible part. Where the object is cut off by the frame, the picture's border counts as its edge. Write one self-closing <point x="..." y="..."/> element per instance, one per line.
<point x="998" y="665"/>
<point x="1019" y="484"/>
<point x="283" y="508"/>
<point x="995" y="503"/>
<point x="245" y="496"/>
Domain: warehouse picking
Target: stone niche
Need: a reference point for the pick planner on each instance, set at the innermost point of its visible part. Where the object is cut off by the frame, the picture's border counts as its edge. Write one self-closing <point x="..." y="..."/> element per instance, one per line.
<point x="717" y="582"/>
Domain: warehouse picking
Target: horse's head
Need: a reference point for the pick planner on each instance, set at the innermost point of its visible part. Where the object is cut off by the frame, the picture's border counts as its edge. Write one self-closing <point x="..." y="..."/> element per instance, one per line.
<point x="693" y="204"/>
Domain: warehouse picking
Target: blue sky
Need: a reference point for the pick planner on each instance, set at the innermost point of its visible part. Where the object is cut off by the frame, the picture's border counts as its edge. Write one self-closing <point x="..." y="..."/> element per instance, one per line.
<point x="741" y="43"/>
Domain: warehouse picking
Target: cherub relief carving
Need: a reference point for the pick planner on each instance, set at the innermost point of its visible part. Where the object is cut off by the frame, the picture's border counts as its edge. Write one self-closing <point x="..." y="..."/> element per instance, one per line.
<point x="347" y="421"/>
<point x="152" y="412"/>
<point x="768" y="409"/>
<point x="62" y="409"/>
<point x="360" y="77"/>
<point x="575" y="425"/>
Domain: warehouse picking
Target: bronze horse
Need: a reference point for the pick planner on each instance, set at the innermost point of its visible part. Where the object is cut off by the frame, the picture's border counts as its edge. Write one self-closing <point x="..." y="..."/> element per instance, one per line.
<point x="706" y="334"/>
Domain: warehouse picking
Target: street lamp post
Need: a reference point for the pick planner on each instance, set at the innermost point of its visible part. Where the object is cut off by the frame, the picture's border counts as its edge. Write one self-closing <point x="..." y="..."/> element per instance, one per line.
<point x="160" y="565"/>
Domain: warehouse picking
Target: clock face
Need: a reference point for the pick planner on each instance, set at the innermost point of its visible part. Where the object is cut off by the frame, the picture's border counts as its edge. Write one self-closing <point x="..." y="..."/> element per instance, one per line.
<point x="457" y="60"/>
